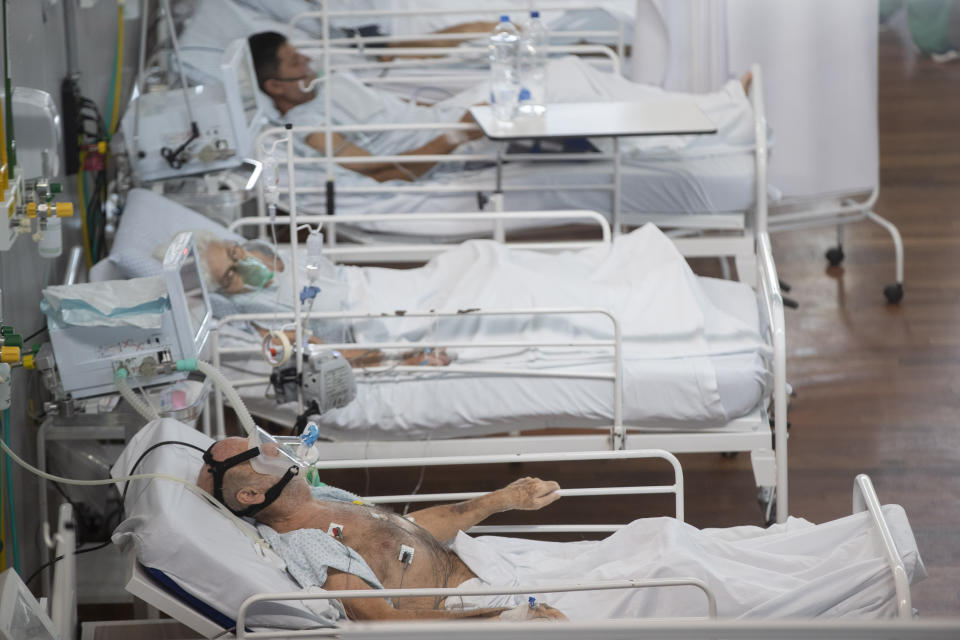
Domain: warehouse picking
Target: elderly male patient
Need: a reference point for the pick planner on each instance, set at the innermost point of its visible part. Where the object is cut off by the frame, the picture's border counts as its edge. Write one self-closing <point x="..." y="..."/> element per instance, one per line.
<point x="365" y="547"/>
<point x="329" y="539"/>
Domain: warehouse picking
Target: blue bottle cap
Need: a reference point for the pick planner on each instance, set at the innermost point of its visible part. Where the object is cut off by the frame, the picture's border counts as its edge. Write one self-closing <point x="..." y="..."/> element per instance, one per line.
<point x="504" y="18"/>
<point x="534" y="14"/>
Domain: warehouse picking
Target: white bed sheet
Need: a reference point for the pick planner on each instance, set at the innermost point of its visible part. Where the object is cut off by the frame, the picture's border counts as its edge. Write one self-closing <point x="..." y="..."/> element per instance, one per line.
<point x="682" y="186"/>
<point x="439" y="405"/>
<point x="694" y="355"/>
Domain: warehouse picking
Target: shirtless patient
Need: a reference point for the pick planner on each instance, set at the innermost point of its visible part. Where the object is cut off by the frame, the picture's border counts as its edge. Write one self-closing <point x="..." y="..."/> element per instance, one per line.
<point x="377" y="534"/>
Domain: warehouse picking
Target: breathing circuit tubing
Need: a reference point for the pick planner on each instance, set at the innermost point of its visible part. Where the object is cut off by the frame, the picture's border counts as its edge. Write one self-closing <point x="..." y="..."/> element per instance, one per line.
<point x="148" y="412"/>
<point x="190" y="364"/>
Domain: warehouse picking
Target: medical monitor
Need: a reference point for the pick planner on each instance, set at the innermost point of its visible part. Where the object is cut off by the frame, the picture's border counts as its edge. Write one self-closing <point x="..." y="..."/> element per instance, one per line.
<point x="21" y="616"/>
<point x="158" y="125"/>
<point x="89" y="353"/>
<point x="189" y="301"/>
<point x="246" y="104"/>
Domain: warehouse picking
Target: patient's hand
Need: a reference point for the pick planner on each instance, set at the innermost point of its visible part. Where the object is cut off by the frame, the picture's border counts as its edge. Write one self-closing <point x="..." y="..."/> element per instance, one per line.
<point x="427" y="357"/>
<point x="546" y="612"/>
<point x="540" y="612"/>
<point x="529" y="494"/>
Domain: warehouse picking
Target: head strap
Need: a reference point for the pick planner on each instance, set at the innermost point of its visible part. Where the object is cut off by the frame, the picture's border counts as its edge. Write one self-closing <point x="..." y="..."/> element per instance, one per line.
<point x="219" y="469"/>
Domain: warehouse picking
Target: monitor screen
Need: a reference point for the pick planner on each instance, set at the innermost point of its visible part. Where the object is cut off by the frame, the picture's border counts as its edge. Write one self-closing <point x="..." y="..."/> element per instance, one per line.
<point x="189" y="302"/>
<point x="244" y="102"/>
<point x="21" y="616"/>
<point x="247" y="88"/>
<point x="198" y="307"/>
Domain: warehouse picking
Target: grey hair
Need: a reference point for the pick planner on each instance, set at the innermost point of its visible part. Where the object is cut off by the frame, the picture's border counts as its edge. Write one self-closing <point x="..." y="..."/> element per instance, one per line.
<point x="202" y="240"/>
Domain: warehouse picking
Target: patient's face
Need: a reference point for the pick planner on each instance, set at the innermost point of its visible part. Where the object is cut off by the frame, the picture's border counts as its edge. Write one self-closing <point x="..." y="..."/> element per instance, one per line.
<point x="222" y="258"/>
<point x="292" y="68"/>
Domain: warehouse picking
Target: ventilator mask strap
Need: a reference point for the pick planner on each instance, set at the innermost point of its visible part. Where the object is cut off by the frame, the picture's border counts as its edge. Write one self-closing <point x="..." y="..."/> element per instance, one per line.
<point x="220" y="468"/>
<point x="272" y="493"/>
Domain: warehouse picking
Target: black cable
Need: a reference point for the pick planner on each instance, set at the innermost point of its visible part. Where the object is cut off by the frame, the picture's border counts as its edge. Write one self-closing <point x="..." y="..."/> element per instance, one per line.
<point x="59" y="558"/>
<point x="123" y="499"/>
<point x="126" y="484"/>
<point x="35" y="334"/>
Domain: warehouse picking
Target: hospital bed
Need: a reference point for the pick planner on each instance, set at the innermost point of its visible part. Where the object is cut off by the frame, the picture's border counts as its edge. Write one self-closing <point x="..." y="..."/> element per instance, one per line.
<point x="636" y="187"/>
<point x="647" y="187"/>
<point x="215" y="23"/>
<point x="583" y="395"/>
<point x="192" y="563"/>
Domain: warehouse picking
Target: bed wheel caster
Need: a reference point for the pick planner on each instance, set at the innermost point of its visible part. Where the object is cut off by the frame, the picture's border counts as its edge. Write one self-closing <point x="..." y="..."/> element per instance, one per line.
<point x="767" y="499"/>
<point x="835" y="256"/>
<point x="894" y="292"/>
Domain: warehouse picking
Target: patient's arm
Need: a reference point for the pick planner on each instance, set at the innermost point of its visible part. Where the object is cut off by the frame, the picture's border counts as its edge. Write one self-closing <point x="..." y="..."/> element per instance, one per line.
<point x="480" y="26"/>
<point x="383" y="171"/>
<point x="380" y="609"/>
<point x="444" y="521"/>
<point x="374" y="357"/>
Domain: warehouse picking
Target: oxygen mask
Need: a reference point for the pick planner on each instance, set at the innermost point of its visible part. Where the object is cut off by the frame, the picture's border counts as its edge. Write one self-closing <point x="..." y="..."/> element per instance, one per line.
<point x="272" y="460"/>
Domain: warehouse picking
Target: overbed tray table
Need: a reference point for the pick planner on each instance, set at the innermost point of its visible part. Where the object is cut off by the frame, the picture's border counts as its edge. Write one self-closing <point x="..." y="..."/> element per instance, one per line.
<point x="594" y="120"/>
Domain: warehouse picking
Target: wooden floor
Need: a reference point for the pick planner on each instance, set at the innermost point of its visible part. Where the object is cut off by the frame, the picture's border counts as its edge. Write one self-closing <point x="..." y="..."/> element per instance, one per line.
<point x="878" y="386"/>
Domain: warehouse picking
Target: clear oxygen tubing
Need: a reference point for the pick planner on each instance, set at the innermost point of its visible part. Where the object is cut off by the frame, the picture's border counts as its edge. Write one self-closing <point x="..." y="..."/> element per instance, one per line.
<point x="190" y="486"/>
<point x="141" y="407"/>
<point x="207" y="369"/>
<point x="8" y="481"/>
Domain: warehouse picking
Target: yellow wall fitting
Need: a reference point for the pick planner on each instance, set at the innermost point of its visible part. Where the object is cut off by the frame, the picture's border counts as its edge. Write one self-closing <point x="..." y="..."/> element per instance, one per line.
<point x="64" y="209"/>
<point x="10" y="355"/>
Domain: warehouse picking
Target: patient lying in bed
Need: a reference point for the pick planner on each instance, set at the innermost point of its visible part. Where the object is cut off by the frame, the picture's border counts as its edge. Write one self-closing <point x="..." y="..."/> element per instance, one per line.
<point x="281" y="69"/>
<point x="333" y="542"/>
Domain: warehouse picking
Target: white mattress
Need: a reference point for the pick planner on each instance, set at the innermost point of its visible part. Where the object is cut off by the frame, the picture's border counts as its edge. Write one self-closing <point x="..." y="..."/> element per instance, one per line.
<point x="438" y="404"/>
<point x="683" y="186"/>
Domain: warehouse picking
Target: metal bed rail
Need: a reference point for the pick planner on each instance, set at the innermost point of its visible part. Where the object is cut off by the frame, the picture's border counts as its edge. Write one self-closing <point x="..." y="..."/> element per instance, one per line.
<point x="616" y="377"/>
<point x="387" y="252"/>
<point x="768" y="285"/>
<point x="325" y="15"/>
<point x="943" y="629"/>
<point x="865" y="499"/>
<point x="677" y="488"/>
<point x="558" y="587"/>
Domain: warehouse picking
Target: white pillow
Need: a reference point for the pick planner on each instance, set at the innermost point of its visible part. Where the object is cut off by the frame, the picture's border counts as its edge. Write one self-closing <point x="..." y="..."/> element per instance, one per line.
<point x="149" y="221"/>
<point x="177" y="532"/>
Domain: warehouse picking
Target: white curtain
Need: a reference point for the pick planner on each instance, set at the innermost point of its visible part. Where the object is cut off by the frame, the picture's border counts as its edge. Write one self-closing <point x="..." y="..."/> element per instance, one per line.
<point x="680" y="44"/>
<point x="819" y="61"/>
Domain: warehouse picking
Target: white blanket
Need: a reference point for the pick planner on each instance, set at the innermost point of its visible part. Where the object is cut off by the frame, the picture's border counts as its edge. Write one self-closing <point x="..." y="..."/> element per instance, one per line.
<point x="794" y="570"/>
<point x="669" y="325"/>
<point x="640" y="278"/>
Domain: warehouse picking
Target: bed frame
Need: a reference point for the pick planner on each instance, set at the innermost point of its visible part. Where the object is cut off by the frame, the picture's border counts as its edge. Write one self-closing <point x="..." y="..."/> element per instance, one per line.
<point x="864" y="499"/>
<point x="607" y="180"/>
<point x="767" y="446"/>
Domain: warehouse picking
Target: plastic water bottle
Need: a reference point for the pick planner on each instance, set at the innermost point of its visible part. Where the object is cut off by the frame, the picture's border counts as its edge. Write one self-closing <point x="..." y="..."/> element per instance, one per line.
<point x="504" y="88"/>
<point x="532" y="67"/>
